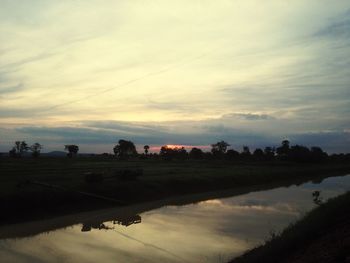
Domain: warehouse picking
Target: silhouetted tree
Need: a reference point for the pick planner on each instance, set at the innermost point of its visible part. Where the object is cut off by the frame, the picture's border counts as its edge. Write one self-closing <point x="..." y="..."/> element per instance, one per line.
<point x="196" y="153"/>
<point x="72" y="150"/>
<point x="258" y="154"/>
<point x="18" y="149"/>
<point x="12" y="152"/>
<point x="146" y="148"/>
<point x="318" y="155"/>
<point x="181" y="153"/>
<point x="124" y="149"/>
<point x="36" y="148"/>
<point x="283" y="150"/>
<point x="169" y="153"/>
<point x="166" y="152"/>
<point x="219" y="149"/>
<point x="298" y="153"/>
<point x="245" y="154"/>
<point x="220" y="146"/>
<point x="269" y="153"/>
<point x="246" y="150"/>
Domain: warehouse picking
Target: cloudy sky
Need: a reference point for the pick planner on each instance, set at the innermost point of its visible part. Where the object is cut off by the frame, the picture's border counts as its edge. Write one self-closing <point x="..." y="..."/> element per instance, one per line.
<point x="175" y="72"/>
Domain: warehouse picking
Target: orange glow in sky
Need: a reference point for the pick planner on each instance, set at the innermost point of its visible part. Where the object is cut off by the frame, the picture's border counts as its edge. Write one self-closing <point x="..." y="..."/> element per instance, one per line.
<point x="173" y="146"/>
<point x="187" y="147"/>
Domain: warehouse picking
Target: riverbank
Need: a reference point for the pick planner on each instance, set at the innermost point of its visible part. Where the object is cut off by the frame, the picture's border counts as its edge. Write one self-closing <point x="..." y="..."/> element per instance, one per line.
<point x="323" y="235"/>
<point x="160" y="180"/>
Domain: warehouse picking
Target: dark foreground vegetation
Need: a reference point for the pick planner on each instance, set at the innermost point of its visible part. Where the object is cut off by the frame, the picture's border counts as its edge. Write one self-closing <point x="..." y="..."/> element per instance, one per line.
<point x="323" y="235"/>
<point x="36" y="186"/>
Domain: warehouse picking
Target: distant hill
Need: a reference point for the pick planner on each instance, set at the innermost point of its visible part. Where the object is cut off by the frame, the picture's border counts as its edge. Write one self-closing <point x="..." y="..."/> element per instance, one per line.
<point x="55" y="154"/>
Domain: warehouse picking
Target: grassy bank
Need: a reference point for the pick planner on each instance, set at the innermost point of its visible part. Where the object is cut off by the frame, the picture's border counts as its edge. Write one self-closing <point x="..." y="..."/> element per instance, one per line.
<point x="323" y="235"/>
<point x="160" y="179"/>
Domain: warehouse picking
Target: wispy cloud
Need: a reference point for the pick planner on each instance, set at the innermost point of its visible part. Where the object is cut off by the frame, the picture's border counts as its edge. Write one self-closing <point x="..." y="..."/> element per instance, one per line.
<point x="249" y="116"/>
<point x="174" y="72"/>
<point x="338" y="28"/>
<point x="11" y="89"/>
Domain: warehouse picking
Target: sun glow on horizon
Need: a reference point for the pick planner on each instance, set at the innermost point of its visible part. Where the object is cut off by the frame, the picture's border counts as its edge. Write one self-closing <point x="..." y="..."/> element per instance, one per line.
<point x="179" y="146"/>
<point x="174" y="146"/>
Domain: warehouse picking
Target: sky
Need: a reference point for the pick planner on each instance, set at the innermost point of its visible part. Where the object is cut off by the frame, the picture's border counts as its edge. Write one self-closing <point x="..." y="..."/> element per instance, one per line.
<point x="250" y="72"/>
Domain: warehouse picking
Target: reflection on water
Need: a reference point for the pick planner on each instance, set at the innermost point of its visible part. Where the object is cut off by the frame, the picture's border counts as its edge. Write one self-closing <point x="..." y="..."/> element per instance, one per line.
<point x="120" y="220"/>
<point x="209" y="231"/>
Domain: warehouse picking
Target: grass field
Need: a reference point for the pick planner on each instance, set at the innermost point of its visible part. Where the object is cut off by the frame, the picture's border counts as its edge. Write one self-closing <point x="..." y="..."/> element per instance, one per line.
<point x="160" y="179"/>
<point x="321" y="236"/>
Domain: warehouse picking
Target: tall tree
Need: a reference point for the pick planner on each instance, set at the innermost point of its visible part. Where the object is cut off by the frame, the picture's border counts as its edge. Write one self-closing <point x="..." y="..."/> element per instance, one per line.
<point x="299" y="153"/>
<point x="245" y="154"/>
<point x="246" y="150"/>
<point x="258" y="154"/>
<point x="283" y="150"/>
<point x="317" y="154"/>
<point x="19" y="148"/>
<point x="36" y="148"/>
<point x="220" y="147"/>
<point x="124" y="149"/>
<point x="72" y="150"/>
<point x="196" y="153"/>
<point x="146" y="148"/>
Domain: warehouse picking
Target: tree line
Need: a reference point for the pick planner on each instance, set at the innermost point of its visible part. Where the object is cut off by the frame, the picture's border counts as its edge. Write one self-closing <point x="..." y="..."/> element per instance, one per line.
<point x="21" y="147"/>
<point x="126" y="149"/>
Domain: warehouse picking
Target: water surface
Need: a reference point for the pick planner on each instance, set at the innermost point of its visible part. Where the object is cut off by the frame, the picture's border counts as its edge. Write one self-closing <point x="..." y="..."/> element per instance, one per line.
<point x="210" y="231"/>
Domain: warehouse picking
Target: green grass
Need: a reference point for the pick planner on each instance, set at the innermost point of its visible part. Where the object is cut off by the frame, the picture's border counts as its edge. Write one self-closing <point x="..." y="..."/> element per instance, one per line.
<point x="160" y="179"/>
<point x="314" y="225"/>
